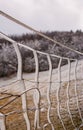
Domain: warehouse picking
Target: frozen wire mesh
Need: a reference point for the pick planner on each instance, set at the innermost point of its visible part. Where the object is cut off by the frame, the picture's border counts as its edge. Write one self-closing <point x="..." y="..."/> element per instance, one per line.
<point x="55" y="103"/>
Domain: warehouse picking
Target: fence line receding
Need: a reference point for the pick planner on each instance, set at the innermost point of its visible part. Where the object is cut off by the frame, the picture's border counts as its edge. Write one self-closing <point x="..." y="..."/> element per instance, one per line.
<point x="61" y="101"/>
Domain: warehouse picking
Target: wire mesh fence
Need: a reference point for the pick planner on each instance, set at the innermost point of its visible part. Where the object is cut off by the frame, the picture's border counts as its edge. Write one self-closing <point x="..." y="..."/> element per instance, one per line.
<point x="49" y="101"/>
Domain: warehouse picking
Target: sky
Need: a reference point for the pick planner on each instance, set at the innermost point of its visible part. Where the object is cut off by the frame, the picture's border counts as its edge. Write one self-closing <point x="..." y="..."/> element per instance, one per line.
<point x="43" y="15"/>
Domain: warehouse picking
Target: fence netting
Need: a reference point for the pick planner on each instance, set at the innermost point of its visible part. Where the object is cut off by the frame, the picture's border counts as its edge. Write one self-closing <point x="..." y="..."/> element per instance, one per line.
<point x="51" y="100"/>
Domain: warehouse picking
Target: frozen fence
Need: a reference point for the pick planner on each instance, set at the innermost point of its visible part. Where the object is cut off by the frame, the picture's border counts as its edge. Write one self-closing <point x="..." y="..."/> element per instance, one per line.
<point x="55" y="107"/>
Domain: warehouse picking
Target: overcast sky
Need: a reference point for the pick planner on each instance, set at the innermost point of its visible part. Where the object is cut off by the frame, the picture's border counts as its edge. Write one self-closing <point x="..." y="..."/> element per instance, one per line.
<point x="43" y="15"/>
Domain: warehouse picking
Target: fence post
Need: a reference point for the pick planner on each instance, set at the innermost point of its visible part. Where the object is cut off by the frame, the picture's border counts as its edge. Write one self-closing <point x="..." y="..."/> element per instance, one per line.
<point x="2" y="122"/>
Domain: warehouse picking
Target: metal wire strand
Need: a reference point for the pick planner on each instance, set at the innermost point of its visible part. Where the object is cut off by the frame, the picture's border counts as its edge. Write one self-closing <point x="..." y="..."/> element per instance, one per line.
<point x="48" y="92"/>
<point x="68" y="97"/>
<point x="58" y="94"/>
<point x="36" y="95"/>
